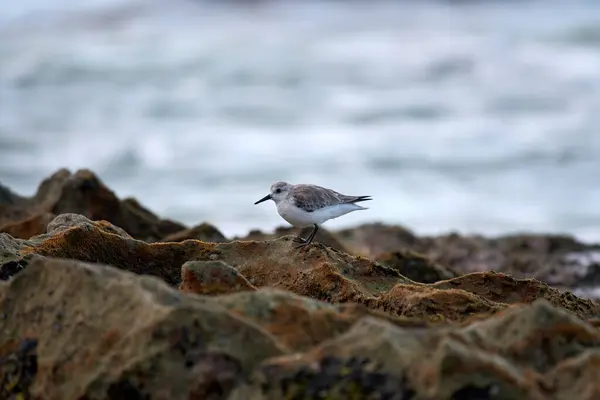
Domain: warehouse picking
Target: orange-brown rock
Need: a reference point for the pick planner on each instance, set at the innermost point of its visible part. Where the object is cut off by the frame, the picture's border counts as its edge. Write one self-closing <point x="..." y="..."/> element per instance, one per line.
<point x="434" y="304"/>
<point x="211" y="278"/>
<point x="507" y="289"/>
<point x="265" y="320"/>
<point x="323" y="236"/>
<point x="81" y="193"/>
<point x="320" y="272"/>
<point x="204" y="232"/>
<point x="29" y="226"/>
<point x="300" y="322"/>
<point x="317" y="272"/>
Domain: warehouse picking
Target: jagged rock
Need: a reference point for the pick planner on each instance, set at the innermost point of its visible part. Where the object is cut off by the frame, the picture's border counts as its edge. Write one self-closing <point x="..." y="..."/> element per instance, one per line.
<point x="529" y="351"/>
<point x="7" y="197"/>
<point x="212" y="277"/>
<point x="318" y="272"/>
<point x="300" y="322"/>
<point x="373" y="240"/>
<point x="66" y="221"/>
<point x="204" y="232"/>
<point x="435" y="305"/>
<point x="29" y="226"/>
<point x="415" y="266"/>
<point x="323" y="236"/>
<point x="559" y="260"/>
<point x="81" y="193"/>
<point x="504" y="288"/>
<point x="105" y="333"/>
<point x="577" y="377"/>
<point x="117" y="334"/>
<point x="11" y="259"/>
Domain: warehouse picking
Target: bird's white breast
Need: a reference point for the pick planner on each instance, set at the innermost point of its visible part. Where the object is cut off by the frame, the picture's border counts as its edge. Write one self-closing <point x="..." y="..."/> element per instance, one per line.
<point x="300" y="218"/>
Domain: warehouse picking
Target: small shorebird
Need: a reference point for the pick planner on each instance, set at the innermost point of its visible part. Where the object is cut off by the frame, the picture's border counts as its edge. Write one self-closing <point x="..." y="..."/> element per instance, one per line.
<point x="306" y="205"/>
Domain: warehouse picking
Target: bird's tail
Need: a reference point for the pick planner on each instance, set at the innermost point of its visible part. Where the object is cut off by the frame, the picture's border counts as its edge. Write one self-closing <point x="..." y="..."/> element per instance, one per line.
<point x="361" y="198"/>
<point x="358" y="199"/>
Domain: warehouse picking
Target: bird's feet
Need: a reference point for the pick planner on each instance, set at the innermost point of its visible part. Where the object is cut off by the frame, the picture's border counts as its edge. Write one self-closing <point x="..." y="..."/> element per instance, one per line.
<point x="301" y="242"/>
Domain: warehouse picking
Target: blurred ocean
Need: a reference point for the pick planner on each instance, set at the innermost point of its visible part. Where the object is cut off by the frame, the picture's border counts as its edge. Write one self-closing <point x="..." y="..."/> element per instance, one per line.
<point x="455" y="116"/>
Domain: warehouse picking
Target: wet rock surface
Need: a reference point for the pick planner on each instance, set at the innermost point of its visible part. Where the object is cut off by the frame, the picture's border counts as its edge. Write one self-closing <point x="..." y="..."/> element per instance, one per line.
<point x="105" y="300"/>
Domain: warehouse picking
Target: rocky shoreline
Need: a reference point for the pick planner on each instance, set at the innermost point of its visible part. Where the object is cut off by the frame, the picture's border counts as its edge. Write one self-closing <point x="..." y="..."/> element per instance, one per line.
<point x="102" y="299"/>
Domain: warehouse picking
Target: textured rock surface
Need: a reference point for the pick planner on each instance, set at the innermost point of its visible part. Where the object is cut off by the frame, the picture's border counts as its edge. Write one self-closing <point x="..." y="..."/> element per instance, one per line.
<point x="105" y="333"/>
<point x="558" y="260"/>
<point x="323" y="236"/>
<point x="211" y="278"/>
<point x="516" y="354"/>
<point x="415" y="266"/>
<point x="204" y="232"/>
<point x="28" y="226"/>
<point x="300" y="322"/>
<point x="367" y="313"/>
<point x="81" y="193"/>
<point x="75" y="330"/>
<point x="320" y="272"/>
<point x="555" y="259"/>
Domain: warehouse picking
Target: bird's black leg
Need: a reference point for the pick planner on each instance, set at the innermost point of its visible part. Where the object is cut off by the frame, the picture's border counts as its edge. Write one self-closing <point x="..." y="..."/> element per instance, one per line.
<point x="309" y="239"/>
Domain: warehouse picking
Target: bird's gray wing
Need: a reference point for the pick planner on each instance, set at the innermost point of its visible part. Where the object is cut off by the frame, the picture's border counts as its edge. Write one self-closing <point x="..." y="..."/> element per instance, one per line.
<point x="312" y="197"/>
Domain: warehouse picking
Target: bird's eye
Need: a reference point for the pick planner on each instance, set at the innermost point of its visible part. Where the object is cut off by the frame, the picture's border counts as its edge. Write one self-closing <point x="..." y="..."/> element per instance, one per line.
<point x="278" y="191"/>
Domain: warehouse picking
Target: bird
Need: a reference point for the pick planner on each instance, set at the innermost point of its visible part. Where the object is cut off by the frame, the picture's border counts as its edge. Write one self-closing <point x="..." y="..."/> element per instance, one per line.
<point x="303" y="205"/>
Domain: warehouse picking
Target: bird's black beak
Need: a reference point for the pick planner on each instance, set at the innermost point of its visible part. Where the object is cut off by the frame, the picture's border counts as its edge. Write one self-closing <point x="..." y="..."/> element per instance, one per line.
<point x="267" y="197"/>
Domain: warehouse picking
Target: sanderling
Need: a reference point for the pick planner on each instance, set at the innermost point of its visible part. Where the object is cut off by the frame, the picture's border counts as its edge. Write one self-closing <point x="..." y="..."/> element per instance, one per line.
<point x="306" y="205"/>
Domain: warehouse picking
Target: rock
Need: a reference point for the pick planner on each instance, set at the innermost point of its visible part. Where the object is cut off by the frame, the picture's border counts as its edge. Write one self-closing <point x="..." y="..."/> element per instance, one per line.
<point x="537" y="337"/>
<point x="104" y="333"/>
<point x="504" y="288"/>
<point x="328" y="378"/>
<point x="204" y="232"/>
<point x="577" y="377"/>
<point x="435" y="305"/>
<point x="64" y="222"/>
<point x="323" y="236"/>
<point x="7" y="197"/>
<point x="373" y="240"/>
<point x="10" y="268"/>
<point x="211" y="278"/>
<point x="264" y="320"/>
<point x="514" y="354"/>
<point x="11" y="259"/>
<point x="556" y="259"/>
<point x="28" y="227"/>
<point x="318" y="272"/>
<point x="81" y="193"/>
<point x="579" y="269"/>
<point x="415" y="266"/>
<point x="300" y="322"/>
<point x="18" y="369"/>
